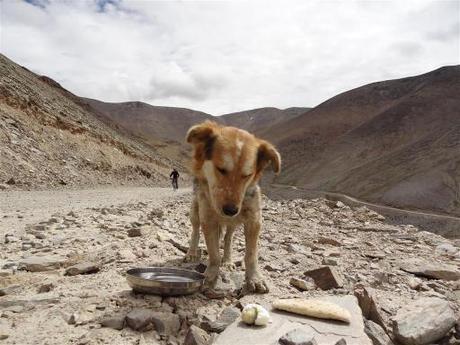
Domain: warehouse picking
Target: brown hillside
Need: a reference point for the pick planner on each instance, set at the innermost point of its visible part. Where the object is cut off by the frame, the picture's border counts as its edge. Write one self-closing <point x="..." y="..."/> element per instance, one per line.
<point x="395" y="142"/>
<point x="49" y="139"/>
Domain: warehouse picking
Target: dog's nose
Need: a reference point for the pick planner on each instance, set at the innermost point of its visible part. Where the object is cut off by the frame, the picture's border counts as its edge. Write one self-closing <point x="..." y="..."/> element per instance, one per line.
<point x="230" y="209"/>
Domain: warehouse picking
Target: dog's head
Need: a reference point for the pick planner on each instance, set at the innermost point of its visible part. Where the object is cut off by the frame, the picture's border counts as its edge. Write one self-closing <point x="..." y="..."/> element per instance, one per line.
<point x="230" y="160"/>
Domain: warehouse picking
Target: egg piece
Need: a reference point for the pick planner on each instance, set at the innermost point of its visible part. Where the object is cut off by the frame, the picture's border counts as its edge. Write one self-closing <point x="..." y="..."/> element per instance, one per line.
<point x="254" y="314"/>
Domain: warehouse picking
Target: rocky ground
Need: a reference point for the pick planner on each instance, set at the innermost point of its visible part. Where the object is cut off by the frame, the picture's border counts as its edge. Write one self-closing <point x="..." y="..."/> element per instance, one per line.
<point x="63" y="258"/>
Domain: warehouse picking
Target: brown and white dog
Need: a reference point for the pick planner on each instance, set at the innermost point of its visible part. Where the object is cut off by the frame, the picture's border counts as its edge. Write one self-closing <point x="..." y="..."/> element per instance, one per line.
<point x="227" y="164"/>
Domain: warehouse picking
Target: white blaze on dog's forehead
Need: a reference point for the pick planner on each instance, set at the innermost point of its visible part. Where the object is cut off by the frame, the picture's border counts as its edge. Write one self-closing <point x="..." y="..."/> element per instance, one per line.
<point x="208" y="171"/>
<point x="239" y="147"/>
<point x="248" y="167"/>
<point x="228" y="161"/>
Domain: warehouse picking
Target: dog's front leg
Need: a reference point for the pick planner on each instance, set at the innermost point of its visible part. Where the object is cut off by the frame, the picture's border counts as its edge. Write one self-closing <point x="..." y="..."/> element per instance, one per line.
<point x="228" y="241"/>
<point x="254" y="280"/>
<point x="193" y="253"/>
<point x="211" y="236"/>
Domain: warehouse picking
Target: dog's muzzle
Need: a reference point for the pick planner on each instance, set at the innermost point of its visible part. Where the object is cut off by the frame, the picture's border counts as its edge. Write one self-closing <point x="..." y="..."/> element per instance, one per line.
<point x="230" y="210"/>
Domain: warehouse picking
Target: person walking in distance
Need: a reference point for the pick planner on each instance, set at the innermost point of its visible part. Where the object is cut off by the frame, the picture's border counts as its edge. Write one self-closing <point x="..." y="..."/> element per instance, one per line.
<point x="174" y="176"/>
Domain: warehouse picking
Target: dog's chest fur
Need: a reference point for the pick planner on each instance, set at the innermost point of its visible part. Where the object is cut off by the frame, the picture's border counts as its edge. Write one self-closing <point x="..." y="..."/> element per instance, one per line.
<point x="250" y="208"/>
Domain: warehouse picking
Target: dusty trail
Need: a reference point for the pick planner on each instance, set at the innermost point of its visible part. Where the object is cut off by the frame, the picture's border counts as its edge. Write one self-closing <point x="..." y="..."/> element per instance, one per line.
<point x="18" y="208"/>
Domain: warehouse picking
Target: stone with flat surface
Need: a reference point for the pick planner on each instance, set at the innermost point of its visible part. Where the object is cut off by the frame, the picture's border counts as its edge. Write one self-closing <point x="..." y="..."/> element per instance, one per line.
<point x="324" y="332"/>
<point x="42" y="263"/>
<point x="325" y="277"/>
<point x="429" y="269"/>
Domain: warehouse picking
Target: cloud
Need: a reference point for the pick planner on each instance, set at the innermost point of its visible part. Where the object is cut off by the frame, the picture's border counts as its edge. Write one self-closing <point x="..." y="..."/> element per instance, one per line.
<point x="227" y="56"/>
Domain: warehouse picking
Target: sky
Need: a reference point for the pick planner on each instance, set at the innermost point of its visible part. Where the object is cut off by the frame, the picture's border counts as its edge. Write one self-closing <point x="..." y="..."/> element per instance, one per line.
<point x="227" y="56"/>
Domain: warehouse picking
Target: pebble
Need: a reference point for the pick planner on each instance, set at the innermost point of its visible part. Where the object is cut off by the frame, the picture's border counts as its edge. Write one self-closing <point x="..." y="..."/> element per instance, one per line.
<point x="303" y="284"/>
<point x="297" y="337"/>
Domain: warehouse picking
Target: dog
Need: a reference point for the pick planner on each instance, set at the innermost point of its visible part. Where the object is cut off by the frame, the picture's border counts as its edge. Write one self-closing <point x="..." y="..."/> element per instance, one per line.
<point x="227" y="165"/>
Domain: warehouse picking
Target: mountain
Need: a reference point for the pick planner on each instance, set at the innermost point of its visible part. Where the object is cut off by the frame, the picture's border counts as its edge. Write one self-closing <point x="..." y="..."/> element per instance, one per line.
<point x="394" y="142"/>
<point x="48" y="138"/>
<point x="151" y="123"/>
<point x="257" y="120"/>
<point x="164" y="128"/>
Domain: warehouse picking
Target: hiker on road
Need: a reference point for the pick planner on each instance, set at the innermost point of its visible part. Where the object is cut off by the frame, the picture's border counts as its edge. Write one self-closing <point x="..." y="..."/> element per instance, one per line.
<point x="174" y="176"/>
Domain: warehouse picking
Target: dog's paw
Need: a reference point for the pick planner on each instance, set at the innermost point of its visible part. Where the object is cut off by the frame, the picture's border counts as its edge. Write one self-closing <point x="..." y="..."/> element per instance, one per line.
<point x="210" y="277"/>
<point x="192" y="256"/>
<point x="255" y="284"/>
<point x="229" y="266"/>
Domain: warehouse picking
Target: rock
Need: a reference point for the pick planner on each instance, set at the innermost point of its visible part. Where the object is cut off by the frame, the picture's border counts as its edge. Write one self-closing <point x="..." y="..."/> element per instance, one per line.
<point x="26" y="246"/>
<point x="297" y="337"/>
<point x="423" y="321"/>
<point x="71" y="319"/>
<point x="115" y="321"/>
<point x="5" y="273"/>
<point x="142" y="319"/>
<point x="436" y="270"/>
<point x="414" y="283"/>
<point x="156" y="213"/>
<point x="368" y="304"/>
<point x="325" y="277"/>
<point x="126" y="255"/>
<point x="328" y="240"/>
<point x="42" y="263"/>
<point x="303" y="284"/>
<point x="45" y="288"/>
<point x="341" y="342"/>
<point x="166" y="322"/>
<point x="82" y="268"/>
<point x="376" y="333"/>
<point x="4" y="335"/>
<point x="9" y="289"/>
<point x="196" y="336"/>
<point x="183" y="248"/>
<point x="15" y="309"/>
<point x="11" y="182"/>
<point x="225" y="318"/>
<point x="9" y="265"/>
<point x="134" y="232"/>
<point x="329" y="261"/>
<point x="447" y="249"/>
<point x="3" y="186"/>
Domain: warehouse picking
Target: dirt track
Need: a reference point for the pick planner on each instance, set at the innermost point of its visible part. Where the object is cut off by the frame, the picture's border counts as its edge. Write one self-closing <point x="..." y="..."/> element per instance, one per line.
<point x="34" y="206"/>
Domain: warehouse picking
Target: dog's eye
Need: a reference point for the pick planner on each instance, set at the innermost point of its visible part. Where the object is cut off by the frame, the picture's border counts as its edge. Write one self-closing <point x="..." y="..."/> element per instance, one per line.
<point x="246" y="176"/>
<point x="222" y="171"/>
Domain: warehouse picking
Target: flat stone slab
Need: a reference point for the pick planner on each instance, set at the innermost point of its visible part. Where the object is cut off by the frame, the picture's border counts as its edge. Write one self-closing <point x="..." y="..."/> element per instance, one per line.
<point x="325" y="332"/>
<point x="42" y="263"/>
<point x="429" y="269"/>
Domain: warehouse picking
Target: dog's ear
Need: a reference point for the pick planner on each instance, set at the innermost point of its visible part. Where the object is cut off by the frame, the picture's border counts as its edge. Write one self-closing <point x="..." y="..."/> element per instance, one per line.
<point x="201" y="133"/>
<point x="202" y="136"/>
<point x="266" y="154"/>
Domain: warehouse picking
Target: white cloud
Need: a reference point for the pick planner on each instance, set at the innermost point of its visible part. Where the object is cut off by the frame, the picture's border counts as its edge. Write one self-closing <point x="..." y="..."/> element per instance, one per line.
<point x="221" y="57"/>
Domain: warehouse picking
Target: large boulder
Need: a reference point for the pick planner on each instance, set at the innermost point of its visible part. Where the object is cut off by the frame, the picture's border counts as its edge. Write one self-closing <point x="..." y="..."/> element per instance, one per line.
<point x="423" y="321"/>
<point x="436" y="270"/>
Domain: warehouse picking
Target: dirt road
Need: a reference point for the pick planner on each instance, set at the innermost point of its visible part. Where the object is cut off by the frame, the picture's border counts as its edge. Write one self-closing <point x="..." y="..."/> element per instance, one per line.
<point x="18" y="208"/>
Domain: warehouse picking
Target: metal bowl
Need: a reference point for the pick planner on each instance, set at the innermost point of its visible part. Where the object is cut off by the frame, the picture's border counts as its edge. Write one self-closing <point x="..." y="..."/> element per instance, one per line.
<point x="164" y="281"/>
